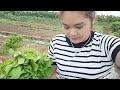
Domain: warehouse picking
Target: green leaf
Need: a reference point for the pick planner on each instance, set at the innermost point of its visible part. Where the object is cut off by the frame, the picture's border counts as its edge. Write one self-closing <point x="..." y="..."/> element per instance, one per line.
<point x="26" y="62"/>
<point x="34" y="66"/>
<point x="2" y="76"/>
<point x="21" y="60"/>
<point x="14" y="73"/>
<point x="29" y="55"/>
<point x="24" y="76"/>
<point x="8" y="68"/>
<point x="47" y="73"/>
<point x="28" y="68"/>
<point x="6" y="62"/>
<point x="11" y="51"/>
<point x="15" y="63"/>
<point x="38" y="57"/>
<point x="49" y="63"/>
<point x="17" y="54"/>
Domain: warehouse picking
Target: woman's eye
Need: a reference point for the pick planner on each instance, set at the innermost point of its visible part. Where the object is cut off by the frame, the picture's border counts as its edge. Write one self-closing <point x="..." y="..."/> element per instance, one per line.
<point x="66" y="27"/>
<point x="79" y="27"/>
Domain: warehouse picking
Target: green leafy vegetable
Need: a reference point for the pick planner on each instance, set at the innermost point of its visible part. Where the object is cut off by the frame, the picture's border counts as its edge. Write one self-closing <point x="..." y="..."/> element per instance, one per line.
<point x="26" y="64"/>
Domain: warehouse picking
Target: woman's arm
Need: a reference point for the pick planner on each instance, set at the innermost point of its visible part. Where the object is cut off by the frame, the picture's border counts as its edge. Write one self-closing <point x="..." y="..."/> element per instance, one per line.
<point x="117" y="60"/>
<point x="53" y="72"/>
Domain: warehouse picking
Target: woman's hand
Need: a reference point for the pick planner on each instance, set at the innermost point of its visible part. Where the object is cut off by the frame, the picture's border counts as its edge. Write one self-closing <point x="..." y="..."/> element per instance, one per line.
<point x="54" y="76"/>
<point x="53" y="72"/>
<point x="1" y="59"/>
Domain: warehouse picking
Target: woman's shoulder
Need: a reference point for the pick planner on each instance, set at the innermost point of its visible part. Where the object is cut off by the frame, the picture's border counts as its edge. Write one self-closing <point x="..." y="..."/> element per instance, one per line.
<point x="104" y="35"/>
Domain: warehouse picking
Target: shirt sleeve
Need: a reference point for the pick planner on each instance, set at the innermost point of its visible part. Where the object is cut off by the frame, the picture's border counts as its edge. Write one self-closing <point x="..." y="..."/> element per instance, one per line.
<point x="113" y="46"/>
<point x="50" y="53"/>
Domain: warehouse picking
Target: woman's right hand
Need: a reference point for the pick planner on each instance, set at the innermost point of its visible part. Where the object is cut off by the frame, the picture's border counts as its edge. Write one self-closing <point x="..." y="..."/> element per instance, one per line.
<point x="54" y="76"/>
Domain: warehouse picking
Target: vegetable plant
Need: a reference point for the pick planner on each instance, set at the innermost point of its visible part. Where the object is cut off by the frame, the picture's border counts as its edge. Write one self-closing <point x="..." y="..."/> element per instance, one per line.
<point x="26" y="64"/>
<point x="12" y="42"/>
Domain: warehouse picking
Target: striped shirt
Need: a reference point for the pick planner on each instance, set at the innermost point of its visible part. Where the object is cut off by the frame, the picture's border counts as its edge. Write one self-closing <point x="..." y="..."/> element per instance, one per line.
<point x="93" y="61"/>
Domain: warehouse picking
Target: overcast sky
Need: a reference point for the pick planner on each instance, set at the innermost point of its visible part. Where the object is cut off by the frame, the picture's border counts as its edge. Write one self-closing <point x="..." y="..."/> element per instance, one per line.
<point x="115" y="13"/>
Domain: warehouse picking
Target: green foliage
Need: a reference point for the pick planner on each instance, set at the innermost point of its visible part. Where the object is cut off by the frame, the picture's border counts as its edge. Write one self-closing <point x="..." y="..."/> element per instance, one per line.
<point x="11" y="43"/>
<point x="26" y="64"/>
<point x="42" y="17"/>
<point x="44" y="14"/>
<point x="108" y="18"/>
<point x="117" y="34"/>
<point x="115" y="26"/>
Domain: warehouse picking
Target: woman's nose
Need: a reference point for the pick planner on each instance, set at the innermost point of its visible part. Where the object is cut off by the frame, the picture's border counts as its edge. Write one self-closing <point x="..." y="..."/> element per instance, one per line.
<point x="73" y="32"/>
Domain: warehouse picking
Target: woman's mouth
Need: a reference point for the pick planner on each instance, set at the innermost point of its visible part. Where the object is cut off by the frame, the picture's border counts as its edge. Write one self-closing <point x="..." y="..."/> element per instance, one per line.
<point x="74" y="38"/>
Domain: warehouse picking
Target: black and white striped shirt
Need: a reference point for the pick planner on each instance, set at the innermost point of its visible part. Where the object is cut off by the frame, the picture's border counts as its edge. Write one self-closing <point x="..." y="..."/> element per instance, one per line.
<point x="94" y="61"/>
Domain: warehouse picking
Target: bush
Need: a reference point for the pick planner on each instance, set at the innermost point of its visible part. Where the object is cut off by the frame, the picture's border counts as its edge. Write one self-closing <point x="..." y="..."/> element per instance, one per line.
<point x="44" y="14"/>
<point x="11" y="42"/>
<point x="117" y="34"/>
<point x="115" y="26"/>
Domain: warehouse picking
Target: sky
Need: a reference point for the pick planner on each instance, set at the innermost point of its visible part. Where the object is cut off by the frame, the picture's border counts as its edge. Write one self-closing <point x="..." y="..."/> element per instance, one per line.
<point x="115" y="13"/>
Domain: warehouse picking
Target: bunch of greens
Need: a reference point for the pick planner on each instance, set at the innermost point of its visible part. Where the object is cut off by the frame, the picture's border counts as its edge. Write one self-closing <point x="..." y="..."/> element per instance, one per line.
<point x="26" y="64"/>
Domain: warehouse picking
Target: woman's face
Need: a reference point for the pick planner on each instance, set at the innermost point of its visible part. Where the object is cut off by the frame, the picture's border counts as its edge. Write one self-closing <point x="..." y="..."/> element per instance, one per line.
<point x="76" y="26"/>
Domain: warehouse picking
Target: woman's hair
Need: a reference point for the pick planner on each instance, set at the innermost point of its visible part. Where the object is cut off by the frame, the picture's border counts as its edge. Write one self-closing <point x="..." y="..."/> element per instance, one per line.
<point x="88" y="14"/>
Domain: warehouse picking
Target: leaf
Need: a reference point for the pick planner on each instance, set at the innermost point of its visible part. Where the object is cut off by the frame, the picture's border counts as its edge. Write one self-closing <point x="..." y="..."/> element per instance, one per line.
<point x="38" y="57"/>
<point x="14" y="73"/>
<point x="15" y="63"/>
<point x="49" y="63"/>
<point x="29" y="56"/>
<point x="47" y="73"/>
<point x="34" y="66"/>
<point x="21" y="60"/>
<point x="8" y="68"/>
<point x="2" y="65"/>
<point x="2" y="76"/>
<point x="24" y="76"/>
<point x="28" y="68"/>
<point x="17" y="54"/>
<point x="11" y="51"/>
<point x="26" y="62"/>
<point x="6" y="62"/>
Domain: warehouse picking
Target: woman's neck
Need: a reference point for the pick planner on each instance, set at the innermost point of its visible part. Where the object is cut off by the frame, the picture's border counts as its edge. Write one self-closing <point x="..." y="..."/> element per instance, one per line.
<point x="81" y="44"/>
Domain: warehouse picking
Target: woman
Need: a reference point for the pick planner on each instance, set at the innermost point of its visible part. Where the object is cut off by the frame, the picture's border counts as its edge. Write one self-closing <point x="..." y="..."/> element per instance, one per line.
<point x="81" y="53"/>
